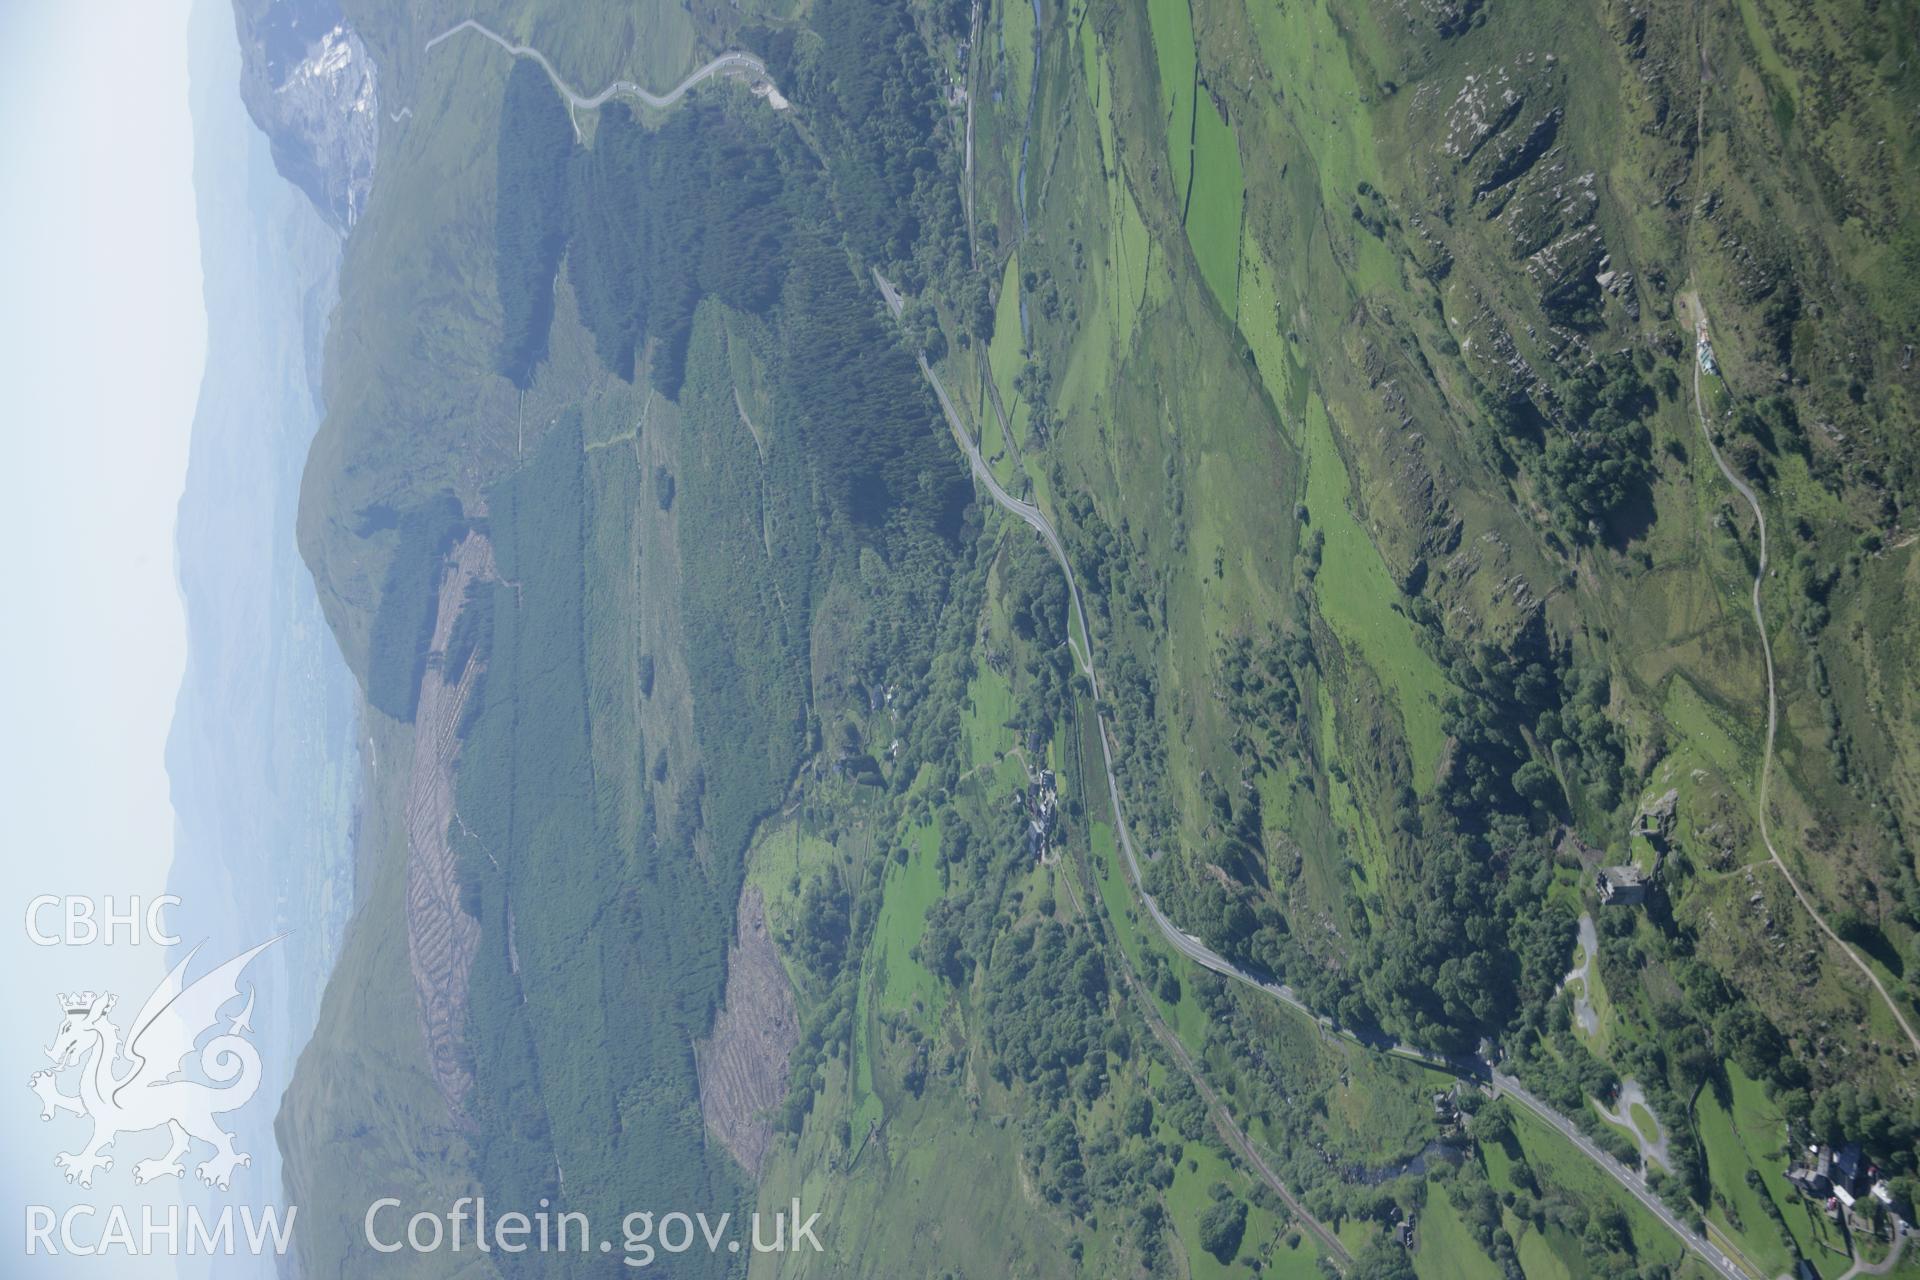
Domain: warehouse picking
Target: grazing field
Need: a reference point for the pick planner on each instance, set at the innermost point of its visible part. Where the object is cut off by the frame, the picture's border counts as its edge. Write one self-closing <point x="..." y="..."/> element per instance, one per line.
<point x="1173" y="46"/>
<point x="1358" y="597"/>
<point x="1446" y="1251"/>
<point x="1213" y="204"/>
<point x="911" y="888"/>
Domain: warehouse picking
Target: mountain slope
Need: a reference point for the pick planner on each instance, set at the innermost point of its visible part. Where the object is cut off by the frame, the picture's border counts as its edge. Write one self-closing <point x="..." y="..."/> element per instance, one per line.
<point x="1350" y="349"/>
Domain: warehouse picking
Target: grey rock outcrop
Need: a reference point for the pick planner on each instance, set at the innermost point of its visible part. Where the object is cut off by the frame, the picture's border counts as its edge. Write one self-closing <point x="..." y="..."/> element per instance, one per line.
<point x="312" y="88"/>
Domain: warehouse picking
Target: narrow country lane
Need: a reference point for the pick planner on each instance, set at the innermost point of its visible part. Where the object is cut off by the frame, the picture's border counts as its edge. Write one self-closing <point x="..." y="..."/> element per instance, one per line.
<point x="734" y="61"/>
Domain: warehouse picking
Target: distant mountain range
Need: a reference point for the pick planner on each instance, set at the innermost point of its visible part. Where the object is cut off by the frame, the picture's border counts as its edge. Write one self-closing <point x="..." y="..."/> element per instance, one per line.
<point x="261" y="756"/>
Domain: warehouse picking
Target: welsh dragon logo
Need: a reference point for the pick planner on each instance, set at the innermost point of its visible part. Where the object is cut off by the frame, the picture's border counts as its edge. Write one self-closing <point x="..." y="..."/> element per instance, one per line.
<point x="140" y="1084"/>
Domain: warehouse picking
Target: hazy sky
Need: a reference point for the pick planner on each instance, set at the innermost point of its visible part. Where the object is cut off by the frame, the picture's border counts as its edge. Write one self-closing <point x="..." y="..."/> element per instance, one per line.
<point x="102" y="337"/>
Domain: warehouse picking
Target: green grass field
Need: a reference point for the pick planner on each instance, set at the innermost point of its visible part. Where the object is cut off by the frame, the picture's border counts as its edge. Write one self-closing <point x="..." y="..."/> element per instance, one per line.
<point x="1357" y="595"/>
<point x="1005" y="355"/>
<point x="984" y="721"/>
<point x="1446" y="1250"/>
<point x="1540" y="1258"/>
<point x="1017" y="30"/>
<point x="1173" y="44"/>
<point x="1213" y="205"/>
<point x="1751" y="1137"/>
<point x="908" y="987"/>
<point x="1188" y="1198"/>
<point x="783" y="857"/>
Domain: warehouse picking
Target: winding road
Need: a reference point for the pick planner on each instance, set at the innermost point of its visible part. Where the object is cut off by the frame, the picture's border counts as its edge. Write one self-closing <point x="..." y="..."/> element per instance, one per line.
<point x="1204" y="956"/>
<point x="1880" y="1268"/>
<point x="733" y="62"/>
<point x="1745" y="490"/>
